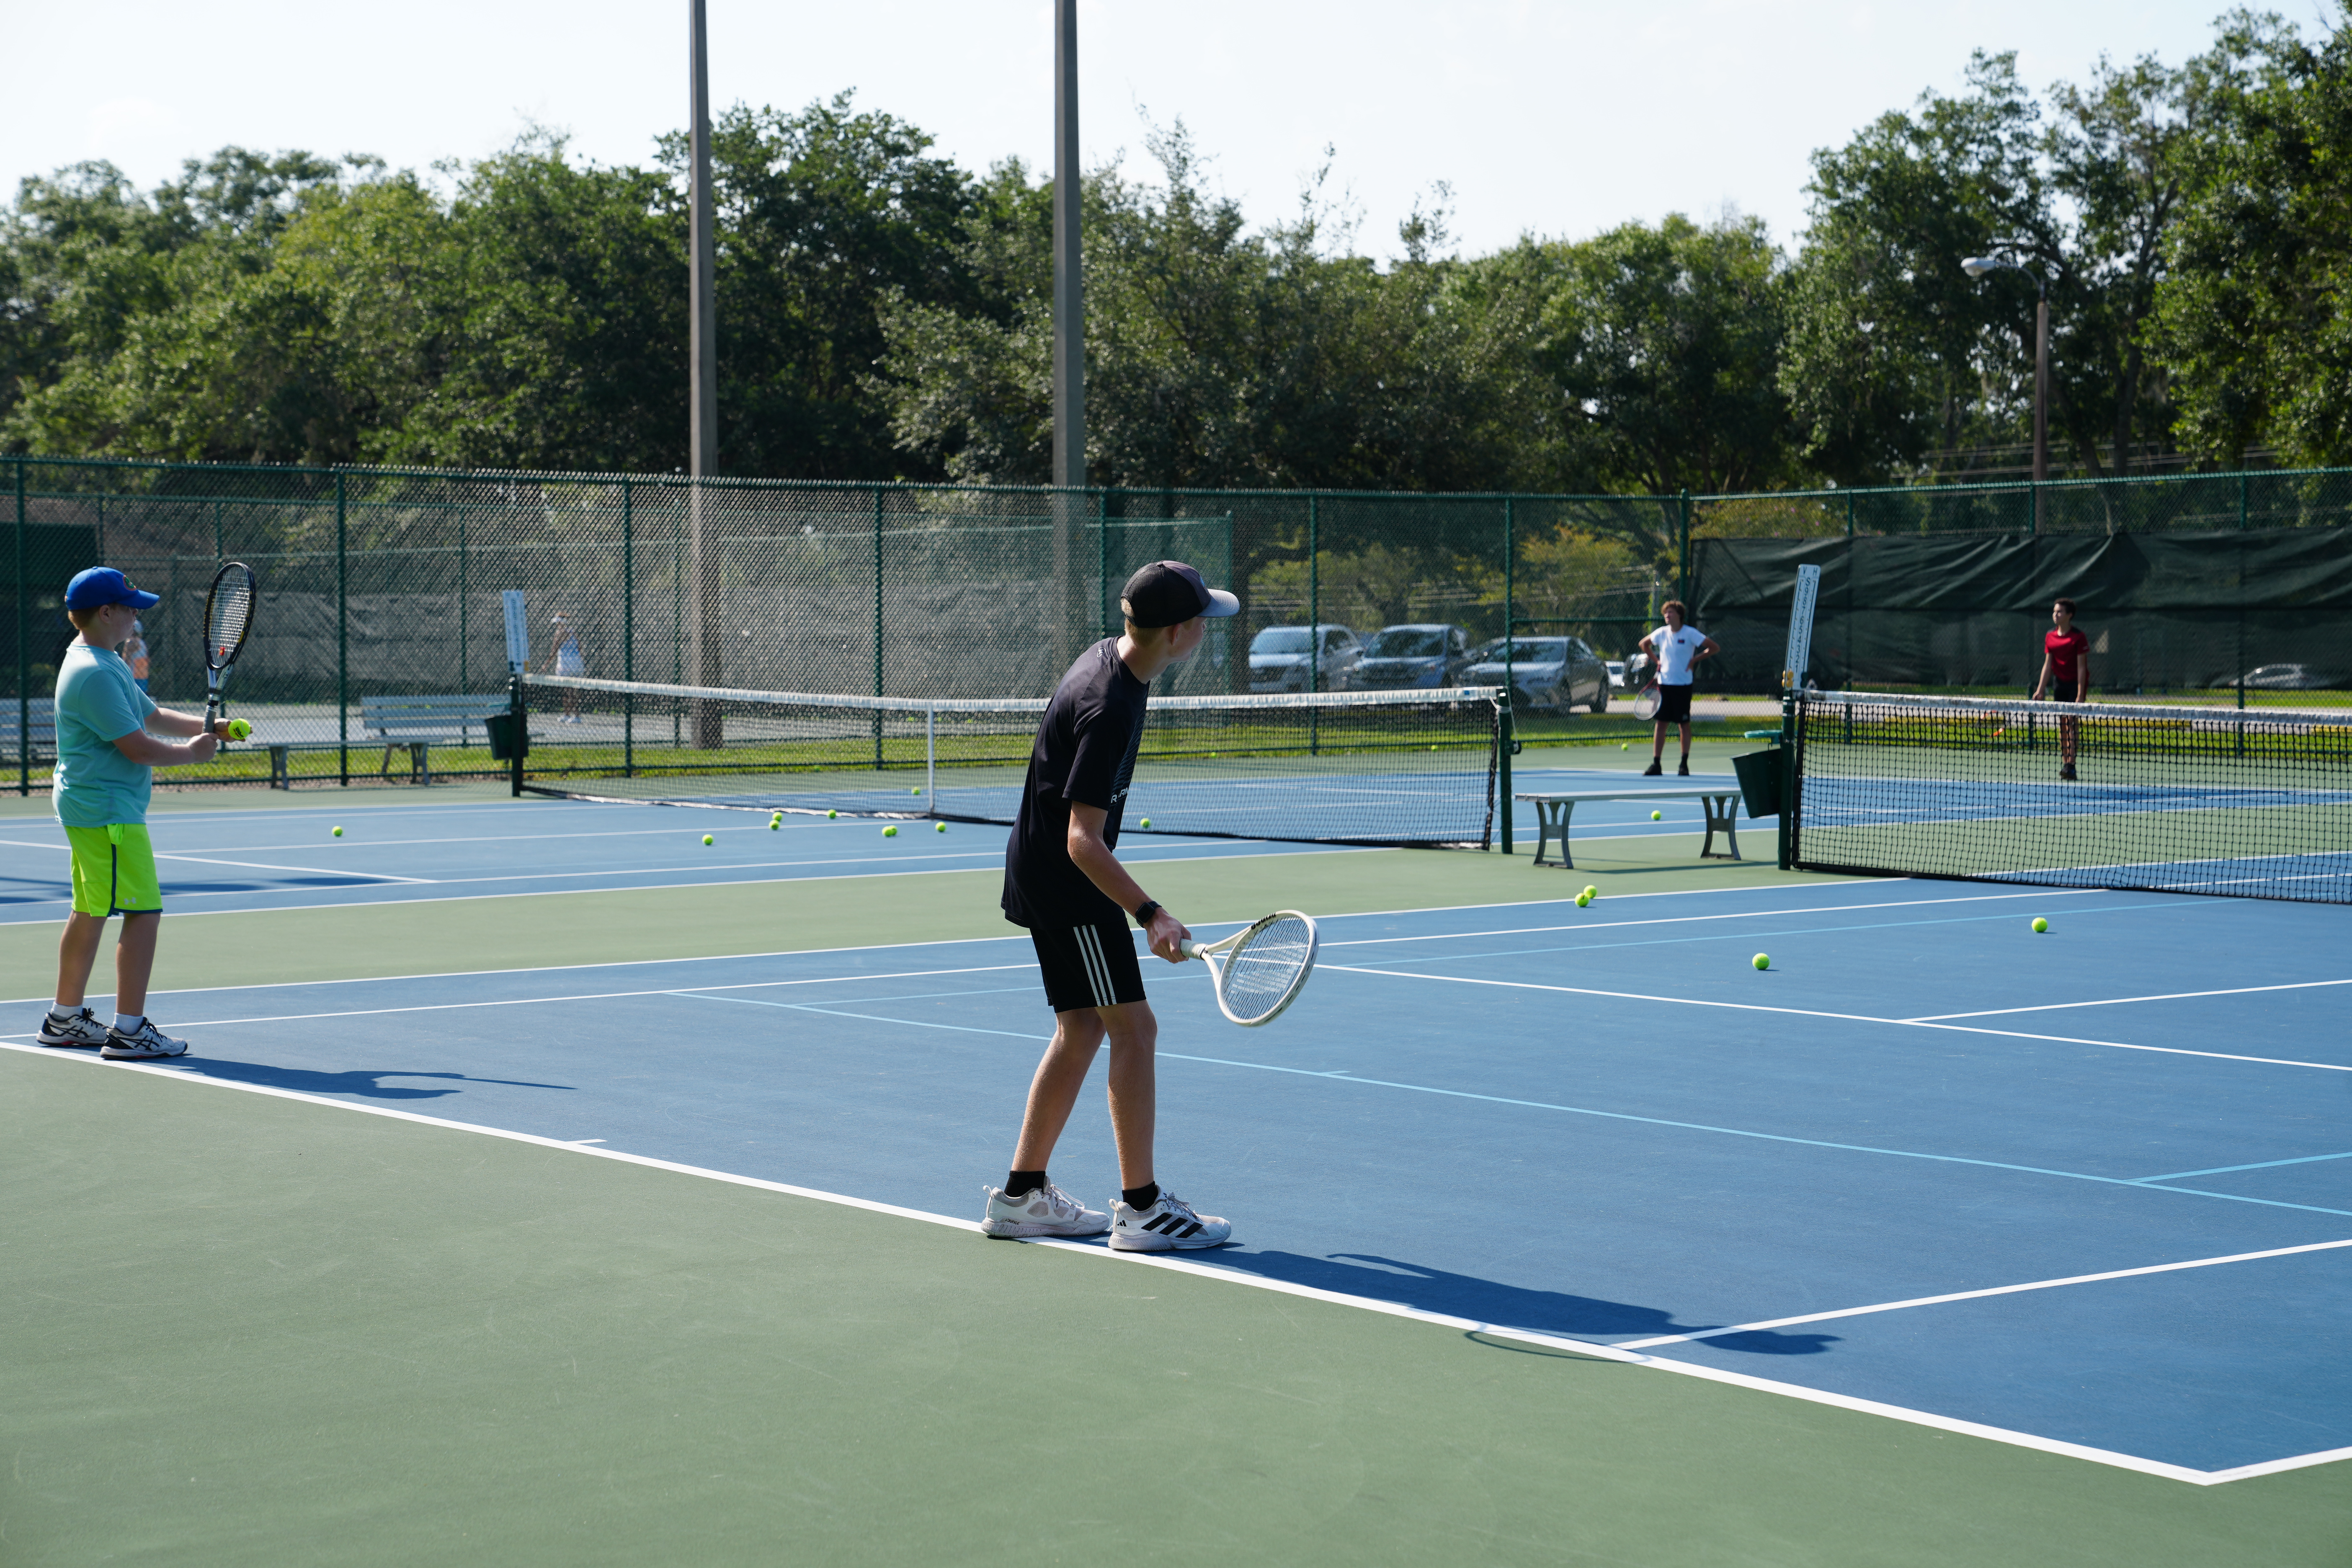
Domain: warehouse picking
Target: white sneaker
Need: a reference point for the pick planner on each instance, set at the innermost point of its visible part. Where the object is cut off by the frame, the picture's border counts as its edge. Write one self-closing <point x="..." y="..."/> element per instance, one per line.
<point x="82" y="1029"/>
<point x="1047" y="1211"/>
<point x="145" y="1043"/>
<point x="1168" y="1226"/>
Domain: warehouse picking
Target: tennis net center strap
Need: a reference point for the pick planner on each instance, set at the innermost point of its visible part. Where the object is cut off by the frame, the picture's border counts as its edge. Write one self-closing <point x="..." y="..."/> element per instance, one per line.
<point x="2251" y="803"/>
<point x="1357" y="767"/>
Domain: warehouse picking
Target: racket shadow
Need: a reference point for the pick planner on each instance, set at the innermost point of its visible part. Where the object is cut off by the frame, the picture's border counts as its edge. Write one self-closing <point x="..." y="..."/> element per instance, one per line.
<point x="1506" y="1305"/>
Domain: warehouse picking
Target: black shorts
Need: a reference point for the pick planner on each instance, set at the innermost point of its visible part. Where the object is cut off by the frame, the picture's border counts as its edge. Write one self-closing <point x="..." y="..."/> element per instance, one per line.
<point x="1087" y="967"/>
<point x="2062" y="691"/>
<point x="1673" y="704"/>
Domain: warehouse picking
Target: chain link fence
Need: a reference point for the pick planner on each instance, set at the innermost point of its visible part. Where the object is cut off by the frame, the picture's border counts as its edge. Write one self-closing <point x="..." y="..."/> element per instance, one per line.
<point x="378" y="584"/>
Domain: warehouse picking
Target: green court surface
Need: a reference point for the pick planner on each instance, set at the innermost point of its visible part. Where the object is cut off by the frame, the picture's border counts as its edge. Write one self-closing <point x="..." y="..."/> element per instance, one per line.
<point x="252" y="1329"/>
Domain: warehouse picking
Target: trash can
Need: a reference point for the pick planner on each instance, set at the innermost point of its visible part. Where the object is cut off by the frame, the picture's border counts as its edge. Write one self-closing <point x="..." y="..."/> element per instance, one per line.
<point x="1759" y="782"/>
<point x="505" y="728"/>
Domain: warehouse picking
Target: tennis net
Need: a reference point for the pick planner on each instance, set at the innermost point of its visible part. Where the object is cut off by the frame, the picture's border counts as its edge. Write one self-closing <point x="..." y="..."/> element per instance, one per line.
<point x="2249" y="803"/>
<point x="1352" y="767"/>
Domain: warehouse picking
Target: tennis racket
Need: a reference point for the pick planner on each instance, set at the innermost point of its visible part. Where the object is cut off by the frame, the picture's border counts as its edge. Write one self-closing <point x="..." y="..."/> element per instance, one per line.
<point x="228" y="614"/>
<point x="1645" y="706"/>
<point x="1259" y="971"/>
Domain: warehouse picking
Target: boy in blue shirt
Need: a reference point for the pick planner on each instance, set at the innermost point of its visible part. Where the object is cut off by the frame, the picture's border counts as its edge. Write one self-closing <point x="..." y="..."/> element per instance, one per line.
<point x="107" y="756"/>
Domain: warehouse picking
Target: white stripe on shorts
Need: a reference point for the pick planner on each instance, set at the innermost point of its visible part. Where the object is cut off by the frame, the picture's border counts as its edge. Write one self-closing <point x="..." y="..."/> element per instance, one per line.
<point x="1097" y="971"/>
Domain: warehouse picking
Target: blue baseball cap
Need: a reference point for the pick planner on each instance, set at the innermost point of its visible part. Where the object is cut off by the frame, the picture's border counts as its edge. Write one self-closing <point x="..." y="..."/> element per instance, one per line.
<point x="105" y="585"/>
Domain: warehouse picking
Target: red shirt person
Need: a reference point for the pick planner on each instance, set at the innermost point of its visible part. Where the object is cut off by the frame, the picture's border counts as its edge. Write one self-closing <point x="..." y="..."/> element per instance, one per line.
<point x="2065" y="675"/>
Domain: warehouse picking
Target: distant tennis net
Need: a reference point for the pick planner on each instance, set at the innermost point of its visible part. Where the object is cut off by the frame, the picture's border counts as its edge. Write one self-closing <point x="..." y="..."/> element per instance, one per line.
<point x="1373" y="767"/>
<point x="2252" y="804"/>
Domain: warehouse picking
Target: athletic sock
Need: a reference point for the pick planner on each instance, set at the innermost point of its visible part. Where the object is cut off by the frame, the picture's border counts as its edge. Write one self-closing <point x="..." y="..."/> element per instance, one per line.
<point x="128" y="1022"/>
<point x="63" y="1014"/>
<point x="1021" y="1183"/>
<point x="1141" y="1197"/>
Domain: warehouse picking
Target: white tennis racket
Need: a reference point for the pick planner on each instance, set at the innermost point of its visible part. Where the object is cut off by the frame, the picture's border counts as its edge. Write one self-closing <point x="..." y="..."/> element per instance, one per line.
<point x="1262" y="969"/>
<point x="1646" y="705"/>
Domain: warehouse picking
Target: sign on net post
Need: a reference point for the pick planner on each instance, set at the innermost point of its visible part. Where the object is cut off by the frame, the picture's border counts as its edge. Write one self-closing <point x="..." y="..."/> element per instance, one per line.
<point x="1801" y="628"/>
<point x="518" y="632"/>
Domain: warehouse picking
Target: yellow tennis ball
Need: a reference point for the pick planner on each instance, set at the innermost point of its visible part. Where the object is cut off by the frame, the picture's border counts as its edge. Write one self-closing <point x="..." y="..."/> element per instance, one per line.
<point x="1582" y="899"/>
<point x="831" y="814"/>
<point x="1763" y="961"/>
<point x="941" y="827"/>
<point x="1146" y="822"/>
<point x="1591" y="891"/>
<point x="339" y="833"/>
<point x="1657" y="817"/>
<point x="708" y="839"/>
<point x="239" y="729"/>
<point x="2039" y="924"/>
<point x="890" y="833"/>
<point x="1624" y="745"/>
<point x="912" y="789"/>
<point x="774" y="823"/>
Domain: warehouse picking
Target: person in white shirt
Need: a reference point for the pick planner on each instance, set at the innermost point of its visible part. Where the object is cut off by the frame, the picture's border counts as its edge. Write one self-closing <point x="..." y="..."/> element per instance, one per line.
<point x="1675" y="648"/>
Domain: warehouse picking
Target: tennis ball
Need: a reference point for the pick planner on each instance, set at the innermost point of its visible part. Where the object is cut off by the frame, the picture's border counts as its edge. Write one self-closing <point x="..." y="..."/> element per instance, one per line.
<point x="708" y="839"/>
<point x="942" y="827"/>
<point x="339" y="833"/>
<point x="1657" y="817"/>
<point x="2039" y="924"/>
<point x="913" y="790"/>
<point x="239" y="729"/>
<point x="1145" y="823"/>
<point x="1624" y="745"/>
<point x="774" y="823"/>
<point x="890" y="832"/>
<point x="831" y="814"/>
<point x="1763" y="961"/>
<point x="1591" y="891"/>
<point x="1583" y="898"/>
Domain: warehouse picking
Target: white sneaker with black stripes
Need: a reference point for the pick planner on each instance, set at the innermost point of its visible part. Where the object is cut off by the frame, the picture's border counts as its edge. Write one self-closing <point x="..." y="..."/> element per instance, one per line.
<point x="143" y="1043"/>
<point x="1168" y="1226"/>
<point x="81" y="1029"/>
<point x="1045" y="1211"/>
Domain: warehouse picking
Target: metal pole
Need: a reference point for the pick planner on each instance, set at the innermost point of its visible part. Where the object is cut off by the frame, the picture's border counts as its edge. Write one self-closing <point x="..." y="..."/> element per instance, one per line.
<point x="703" y="417"/>
<point x="24" y="669"/>
<point x="1505" y="738"/>
<point x="1314" y="619"/>
<point x="1102" y="563"/>
<point x="2243" y="512"/>
<point x="1787" y="825"/>
<point x="1069" y="473"/>
<point x="465" y="660"/>
<point x="628" y="627"/>
<point x="1510" y="620"/>
<point x="342" y="640"/>
<point x="1682" y="581"/>
<point x="2040" y="398"/>
<point x="877" y="624"/>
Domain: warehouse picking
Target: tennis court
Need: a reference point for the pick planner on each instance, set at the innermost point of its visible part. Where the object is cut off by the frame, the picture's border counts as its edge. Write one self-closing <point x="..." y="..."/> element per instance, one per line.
<point x="1562" y="1234"/>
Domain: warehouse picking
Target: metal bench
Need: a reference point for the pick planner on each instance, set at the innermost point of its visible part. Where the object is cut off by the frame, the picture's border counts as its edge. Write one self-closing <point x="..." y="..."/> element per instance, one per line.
<point x="1720" y="801"/>
<point x="417" y="722"/>
<point x="39" y="716"/>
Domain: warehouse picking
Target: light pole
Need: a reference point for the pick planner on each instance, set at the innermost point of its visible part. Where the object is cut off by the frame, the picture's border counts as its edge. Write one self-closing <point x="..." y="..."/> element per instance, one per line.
<point x="1977" y="267"/>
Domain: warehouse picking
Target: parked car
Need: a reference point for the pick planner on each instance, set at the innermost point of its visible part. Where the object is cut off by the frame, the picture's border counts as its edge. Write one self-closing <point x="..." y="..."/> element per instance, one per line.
<point x="1418" y="653"/>
<point x="2285" y="678"/>
<point x="1281" y="656"/>
<point x="1548" y="673"/>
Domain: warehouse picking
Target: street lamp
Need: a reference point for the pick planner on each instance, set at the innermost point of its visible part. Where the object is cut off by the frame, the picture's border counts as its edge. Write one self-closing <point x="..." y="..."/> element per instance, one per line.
<point x="1977" y="267"/>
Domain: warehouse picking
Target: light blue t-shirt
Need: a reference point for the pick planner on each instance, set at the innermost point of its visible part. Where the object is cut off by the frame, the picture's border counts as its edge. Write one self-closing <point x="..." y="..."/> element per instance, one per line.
<point x="97" y="704"/>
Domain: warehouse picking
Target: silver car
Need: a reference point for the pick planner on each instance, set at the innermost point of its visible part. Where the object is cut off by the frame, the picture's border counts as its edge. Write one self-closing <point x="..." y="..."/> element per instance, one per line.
<point x="1547" y="674"/>
<point x="1280" y="659"/>
<point x="1419" y="653"/>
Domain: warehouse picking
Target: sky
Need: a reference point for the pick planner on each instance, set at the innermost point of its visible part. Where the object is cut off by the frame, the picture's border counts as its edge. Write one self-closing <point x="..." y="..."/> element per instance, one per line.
<point x="1559" y="119"/>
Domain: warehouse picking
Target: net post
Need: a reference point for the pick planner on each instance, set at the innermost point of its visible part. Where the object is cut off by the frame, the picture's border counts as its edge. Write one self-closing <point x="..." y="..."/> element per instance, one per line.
<point x="342" y="640"/>
<point x="23" y="669"/>
<point x="628" y="627"/>
<point x="931" y="755"/>
<point x="1788" y="782"/>
<point x="877" y="626"/>
<point x="518" y="730"/>
<point x="1503" y="742"/>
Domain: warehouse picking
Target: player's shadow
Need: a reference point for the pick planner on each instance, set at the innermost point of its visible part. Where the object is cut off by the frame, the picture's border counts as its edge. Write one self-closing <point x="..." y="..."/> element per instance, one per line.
<point x="365" y="1083"/>
<point x="1506" y="1305"/>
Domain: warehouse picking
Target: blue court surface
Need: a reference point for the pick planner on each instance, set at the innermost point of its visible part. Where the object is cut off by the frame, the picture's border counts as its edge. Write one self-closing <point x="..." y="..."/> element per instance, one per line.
<point x="288" y="858"/>
<point x="2089" y="1191"/>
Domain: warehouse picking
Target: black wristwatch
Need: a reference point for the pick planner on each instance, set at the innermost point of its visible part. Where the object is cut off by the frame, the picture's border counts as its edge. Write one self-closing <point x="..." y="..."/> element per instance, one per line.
<point x="1145" y="911"/>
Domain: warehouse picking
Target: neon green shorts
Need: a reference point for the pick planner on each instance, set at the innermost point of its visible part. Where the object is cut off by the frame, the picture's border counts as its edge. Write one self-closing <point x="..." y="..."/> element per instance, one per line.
<point x="114" y="871"/>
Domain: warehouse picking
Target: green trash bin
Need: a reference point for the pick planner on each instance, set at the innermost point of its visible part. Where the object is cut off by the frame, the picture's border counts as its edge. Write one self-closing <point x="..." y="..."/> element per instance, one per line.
<point x="1759" y="782"/>
<point x="504" y="730"/>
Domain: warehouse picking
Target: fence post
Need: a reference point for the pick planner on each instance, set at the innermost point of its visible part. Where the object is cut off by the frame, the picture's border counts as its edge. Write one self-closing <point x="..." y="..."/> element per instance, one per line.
<point x="465" y="653"/>
<point x="1849" y="515"/>
<point x="1314" y="619"/>
<point x="1510" y="623"/>
<point x="1682" y="576"/>
<point x="628" y="627"/>
<point x="1102" y="565"/>
<point x="877" y="624"/>
<point x="24" y="667"/>
<point x="342" y="640"/>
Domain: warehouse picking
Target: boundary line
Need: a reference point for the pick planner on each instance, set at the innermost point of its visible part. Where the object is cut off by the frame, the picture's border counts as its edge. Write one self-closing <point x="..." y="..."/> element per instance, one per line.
<point x="1233" y="1277"/>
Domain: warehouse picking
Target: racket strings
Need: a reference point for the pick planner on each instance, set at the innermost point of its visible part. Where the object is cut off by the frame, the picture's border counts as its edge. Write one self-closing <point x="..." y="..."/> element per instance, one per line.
<point x="228" y="614"/>
<point x="1263" y="971"/>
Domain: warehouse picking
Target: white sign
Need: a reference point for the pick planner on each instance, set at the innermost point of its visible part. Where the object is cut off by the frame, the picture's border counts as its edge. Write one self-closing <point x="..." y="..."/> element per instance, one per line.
<point x="518" y="632"/>
<point x="1800" y="625"/>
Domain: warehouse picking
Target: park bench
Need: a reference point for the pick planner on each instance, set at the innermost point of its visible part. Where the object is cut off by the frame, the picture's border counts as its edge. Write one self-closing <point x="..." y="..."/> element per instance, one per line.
<point x="1720" y="801"/>
<point x="414" y="721"/>
<point x="40" y="715"/>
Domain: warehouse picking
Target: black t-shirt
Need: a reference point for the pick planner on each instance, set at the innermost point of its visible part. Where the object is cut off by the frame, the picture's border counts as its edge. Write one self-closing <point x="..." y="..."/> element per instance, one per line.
<point x="1085" y="752"/>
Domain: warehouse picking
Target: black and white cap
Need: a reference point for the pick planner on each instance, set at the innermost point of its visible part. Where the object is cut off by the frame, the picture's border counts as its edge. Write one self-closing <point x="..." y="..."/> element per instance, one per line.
<point x="1167" y="592"/>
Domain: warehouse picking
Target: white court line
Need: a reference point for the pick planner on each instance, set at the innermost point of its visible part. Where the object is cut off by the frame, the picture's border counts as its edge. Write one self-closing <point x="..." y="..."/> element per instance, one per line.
<point x="1843" y="1018"/>
<point x="245" y="865"/>
<point x="2121" y="1001"/>
<point x="1685" y="920"/>
<point x="1976" y="1295"/>
<point x="1231" y="1276"/>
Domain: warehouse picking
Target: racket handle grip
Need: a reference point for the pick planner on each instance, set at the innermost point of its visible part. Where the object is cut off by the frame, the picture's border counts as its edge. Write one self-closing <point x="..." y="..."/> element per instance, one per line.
<point x="1190" y="949"/>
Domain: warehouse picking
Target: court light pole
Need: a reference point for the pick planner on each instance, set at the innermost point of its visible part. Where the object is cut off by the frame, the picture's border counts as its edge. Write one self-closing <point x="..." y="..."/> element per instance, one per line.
<point x="702" y="380"/>
<point x="1977" y="267"/>
<point x="1070" y="323"/>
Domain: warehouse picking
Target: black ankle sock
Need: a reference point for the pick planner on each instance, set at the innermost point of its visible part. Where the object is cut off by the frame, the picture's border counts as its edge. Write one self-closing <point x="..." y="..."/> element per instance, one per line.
<point x="1021" y="1183"/>
<point x="1141" y="1197"/>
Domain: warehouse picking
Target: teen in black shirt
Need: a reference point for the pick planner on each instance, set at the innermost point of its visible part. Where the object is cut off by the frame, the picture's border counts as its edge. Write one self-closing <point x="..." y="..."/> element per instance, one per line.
<point x="1064" y="882"/>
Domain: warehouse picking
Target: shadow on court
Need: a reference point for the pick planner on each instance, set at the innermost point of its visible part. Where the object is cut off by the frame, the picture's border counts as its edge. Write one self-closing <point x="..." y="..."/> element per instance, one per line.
<point x="1490" y="1301"/>
<point x="360" y="1082"/>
